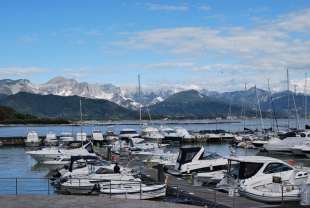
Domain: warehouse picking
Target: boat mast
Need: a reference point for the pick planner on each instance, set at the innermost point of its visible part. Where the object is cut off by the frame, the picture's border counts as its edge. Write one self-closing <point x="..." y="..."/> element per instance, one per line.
<point x="244" y="104"/>
<point x="139" y="100"/>
<point x="81" y="120"/>
<point x="288" y="101"/>
<point x="305" y="94"/>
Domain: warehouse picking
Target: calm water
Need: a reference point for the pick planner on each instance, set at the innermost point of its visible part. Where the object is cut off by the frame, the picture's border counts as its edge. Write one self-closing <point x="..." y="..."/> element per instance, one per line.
<point x="15" y="163"/>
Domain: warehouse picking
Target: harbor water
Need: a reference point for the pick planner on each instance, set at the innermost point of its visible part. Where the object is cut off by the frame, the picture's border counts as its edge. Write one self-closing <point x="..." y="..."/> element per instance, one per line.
<point x="19" y="168"/>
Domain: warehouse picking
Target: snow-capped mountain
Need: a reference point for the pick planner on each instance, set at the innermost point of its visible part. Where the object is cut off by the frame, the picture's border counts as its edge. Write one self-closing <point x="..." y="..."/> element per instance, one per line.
<point x="126" y="96"/>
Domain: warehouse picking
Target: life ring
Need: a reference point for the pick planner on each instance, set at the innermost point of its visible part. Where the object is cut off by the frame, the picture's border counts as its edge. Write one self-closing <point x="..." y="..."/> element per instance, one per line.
<point x="159" y="144"/>
<point x="291" y="162"/>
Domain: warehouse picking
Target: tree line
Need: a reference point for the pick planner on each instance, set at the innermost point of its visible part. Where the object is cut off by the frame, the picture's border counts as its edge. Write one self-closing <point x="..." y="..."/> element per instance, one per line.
<point x="9" y="116"/>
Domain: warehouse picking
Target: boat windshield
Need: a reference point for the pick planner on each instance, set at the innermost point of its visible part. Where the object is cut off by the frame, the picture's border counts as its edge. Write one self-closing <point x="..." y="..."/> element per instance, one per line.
<point x="276" y="168"/>
<point x="104" y="171"/>
<point x="244" y="170"/>
<point x="210" y="156"/>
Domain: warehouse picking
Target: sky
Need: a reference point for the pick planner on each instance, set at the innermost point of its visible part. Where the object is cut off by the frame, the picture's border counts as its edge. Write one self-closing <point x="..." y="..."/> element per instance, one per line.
<point x="215" y="45"/>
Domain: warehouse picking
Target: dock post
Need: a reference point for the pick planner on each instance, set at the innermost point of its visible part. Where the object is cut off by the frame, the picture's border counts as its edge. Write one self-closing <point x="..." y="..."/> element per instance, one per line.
<point x="109" y="153"/>
<point x="160" y="172"/>
<point x="141" y="167"/>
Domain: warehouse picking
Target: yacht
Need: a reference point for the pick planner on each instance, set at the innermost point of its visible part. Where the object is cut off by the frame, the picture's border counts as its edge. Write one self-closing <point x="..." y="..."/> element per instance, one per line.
<point x="72" y="148"/>
<point x="246" y="168"/>
<point x="50" y="139"/>
<point x="32" y="139"/>
<point x="65" y="137"/>
<point x="110" y="136"/>
<point x="127" y="133"/>
<point x="150" y="133"/>
<point x="196" y="159"/>
<point x="260" y="143"/>
<point x="97" y="137"/>
<point x="183" y="133"/>
<point x="170" y="135"/>
<point x="297" y="149"/>
<point x="284" y="146"/>
<point x="275" y="189"/>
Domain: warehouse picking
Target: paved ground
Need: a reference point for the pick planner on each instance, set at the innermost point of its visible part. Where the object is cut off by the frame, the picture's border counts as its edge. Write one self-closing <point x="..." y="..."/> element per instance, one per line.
<point x="70" y="201"/>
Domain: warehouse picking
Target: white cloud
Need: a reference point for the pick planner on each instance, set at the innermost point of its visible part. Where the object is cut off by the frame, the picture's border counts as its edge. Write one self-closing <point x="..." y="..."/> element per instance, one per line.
<point x="21" y="72"/>
<point x="205" y="8"/>
<point x="168" y="65"/>
<point x="167" y="7"/>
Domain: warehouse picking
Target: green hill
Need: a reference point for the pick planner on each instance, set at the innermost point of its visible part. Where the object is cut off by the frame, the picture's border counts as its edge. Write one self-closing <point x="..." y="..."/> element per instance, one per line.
<point x="53" y="106"/>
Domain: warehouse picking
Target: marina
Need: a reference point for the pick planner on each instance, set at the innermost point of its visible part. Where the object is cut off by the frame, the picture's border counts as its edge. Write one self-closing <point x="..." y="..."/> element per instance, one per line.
<point x="21" y="174"/>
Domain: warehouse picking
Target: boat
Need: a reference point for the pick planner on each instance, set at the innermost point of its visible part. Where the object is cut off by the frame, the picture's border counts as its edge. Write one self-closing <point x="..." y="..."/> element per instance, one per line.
<point x="284" y="146"/>
<point x="183" y="133"/>
<point x="260" y="143"/>
<point x="65" y="137"/>
<point x="127" y="133"/>
<point x="50" y="139"/>
<point x="97" y="137"/>
<point x="135" y="191"/>
<point x="197" y="159"/>
<point x="297" y="149"/>
<point x="170" y="135"/>
<point x="156" y="154"/>
<point x="143" y="144"/>
<point x="110" y="136"/>
<point x="96" y="173"/>
<point x="274" y="189"/>
<point x="32" y="139"/>
<point x="57" y="163"/>
<point x="71" y="148"/>
<point x="211" y="177"/>
<point x="244" y="168"/>
<point x="151" y="134"/>
<point x="167" y="161"/>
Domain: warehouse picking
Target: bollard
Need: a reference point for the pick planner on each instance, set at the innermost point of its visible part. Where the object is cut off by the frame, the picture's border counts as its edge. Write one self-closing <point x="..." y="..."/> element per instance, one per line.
<point x="194" y="178"/>
<point x="160" y="173"/>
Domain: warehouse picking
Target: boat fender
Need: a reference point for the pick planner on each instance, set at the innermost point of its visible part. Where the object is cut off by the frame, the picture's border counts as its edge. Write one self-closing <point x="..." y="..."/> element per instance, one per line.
<point x="159" y="144"/>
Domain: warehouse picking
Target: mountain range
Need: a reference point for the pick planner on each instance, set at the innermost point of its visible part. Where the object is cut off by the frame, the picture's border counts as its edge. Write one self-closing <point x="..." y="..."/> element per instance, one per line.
<point x="162" y="101"/>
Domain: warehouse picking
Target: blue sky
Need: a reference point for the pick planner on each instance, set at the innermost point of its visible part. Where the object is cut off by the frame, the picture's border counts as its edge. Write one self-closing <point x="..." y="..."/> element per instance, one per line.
<point x="197" y="44"/>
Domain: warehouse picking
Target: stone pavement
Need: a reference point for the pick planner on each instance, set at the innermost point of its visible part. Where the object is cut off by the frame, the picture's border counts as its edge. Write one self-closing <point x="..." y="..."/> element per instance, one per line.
<point x="73" y="201"/>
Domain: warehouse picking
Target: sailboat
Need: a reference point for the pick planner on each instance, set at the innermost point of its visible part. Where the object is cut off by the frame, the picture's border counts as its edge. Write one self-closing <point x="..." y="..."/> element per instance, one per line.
<point x="148" y="132"/>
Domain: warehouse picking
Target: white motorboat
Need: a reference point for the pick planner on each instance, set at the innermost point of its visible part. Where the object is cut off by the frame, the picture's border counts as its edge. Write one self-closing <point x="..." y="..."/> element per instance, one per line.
<point x="143" y="144"/>
<point x="65" y="137"/>
<point x="170" y="134"/>
<point x="110" y="136"/>
<point x="151" y="134"/>
<point x="57" y="163"/>
<point x="274" y="188"/>
<point x="306" y="151"/>
<point x="50" y="139"/>
<point x="73" y="148"/>
<point x="167" y="161"/>
<point x="196" y="159"/>
<point x="90" y="185"/>
<point x="156" y="154"/>
<point x="32" y="139"/>
<point x="284" y="146"/>
<point x="137" y="191"/>
<point x="183" y="133"/>
<point x="97" y="137"/>
<point x="244" y="168"/>
<point x="297" y="149"/>
<point x="260" y="143"/>
<point x="127" y="133"/>
<point x="211" y="177"/>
